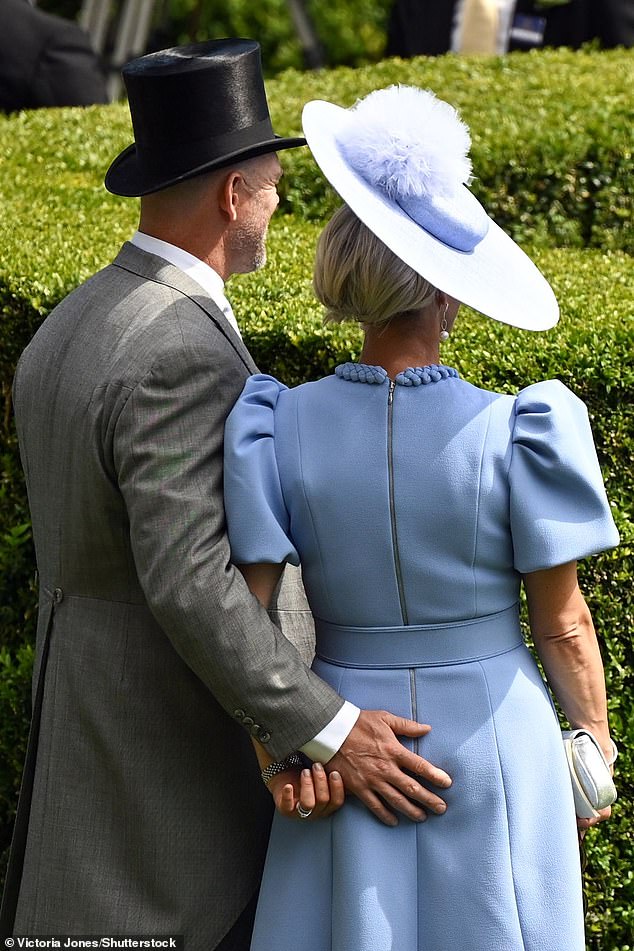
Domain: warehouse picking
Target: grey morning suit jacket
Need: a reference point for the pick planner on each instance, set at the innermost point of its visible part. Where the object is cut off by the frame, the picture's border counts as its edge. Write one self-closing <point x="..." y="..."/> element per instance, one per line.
<point x="148" y="813"/>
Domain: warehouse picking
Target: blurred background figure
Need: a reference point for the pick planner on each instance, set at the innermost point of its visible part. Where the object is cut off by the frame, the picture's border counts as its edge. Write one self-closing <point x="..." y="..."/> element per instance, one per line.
<point x="45" y="60"/>
<point x="481" y="26"/>
<point x="419" y="28"/>
<point x="42" y="39"/>
<point x="433" y="27"/>
<point x="575" y="22"/>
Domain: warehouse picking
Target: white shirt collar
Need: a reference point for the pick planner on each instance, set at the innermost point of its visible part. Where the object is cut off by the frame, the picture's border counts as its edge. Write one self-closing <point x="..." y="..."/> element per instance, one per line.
<point x="202" y="273"/>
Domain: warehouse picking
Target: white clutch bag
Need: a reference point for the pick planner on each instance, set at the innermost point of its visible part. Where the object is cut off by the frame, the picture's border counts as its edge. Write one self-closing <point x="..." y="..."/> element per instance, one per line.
<point x="592" y="782"/>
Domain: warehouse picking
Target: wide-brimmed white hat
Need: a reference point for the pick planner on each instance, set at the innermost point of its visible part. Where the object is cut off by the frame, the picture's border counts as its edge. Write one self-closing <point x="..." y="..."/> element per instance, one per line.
<point x="399" y="159"/>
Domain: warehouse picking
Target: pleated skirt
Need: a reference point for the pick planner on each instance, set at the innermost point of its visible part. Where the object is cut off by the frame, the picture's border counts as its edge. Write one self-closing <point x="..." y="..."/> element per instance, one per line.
<point x="500" y="870"/>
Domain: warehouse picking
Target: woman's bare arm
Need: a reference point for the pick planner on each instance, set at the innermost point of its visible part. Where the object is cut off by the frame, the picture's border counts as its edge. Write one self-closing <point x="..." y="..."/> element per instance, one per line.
<point x="262" y="580"/>
<point x="567" y="645"/>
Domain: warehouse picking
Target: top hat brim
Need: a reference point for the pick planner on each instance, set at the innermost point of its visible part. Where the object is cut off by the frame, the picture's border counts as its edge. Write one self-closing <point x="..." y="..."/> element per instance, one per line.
<point x="128" y="178"/>
<point x="496" y="278"/>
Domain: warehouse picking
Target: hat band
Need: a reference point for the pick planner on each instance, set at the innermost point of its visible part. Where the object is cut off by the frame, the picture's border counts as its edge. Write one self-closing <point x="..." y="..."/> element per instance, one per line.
<point x="459" y="221"/>
<point x="199" y="152"/>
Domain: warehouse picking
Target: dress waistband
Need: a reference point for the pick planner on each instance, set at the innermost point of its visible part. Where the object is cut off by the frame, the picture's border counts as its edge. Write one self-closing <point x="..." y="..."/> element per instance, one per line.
<point x="419" y="645"/>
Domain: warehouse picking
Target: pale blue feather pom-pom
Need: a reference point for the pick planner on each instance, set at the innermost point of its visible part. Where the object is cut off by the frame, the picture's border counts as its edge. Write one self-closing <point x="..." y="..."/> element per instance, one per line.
<point x="407" y="142"/>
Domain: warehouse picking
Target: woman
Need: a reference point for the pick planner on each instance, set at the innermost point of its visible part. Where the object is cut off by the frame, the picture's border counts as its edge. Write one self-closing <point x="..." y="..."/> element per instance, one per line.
<point x="417" y="505"/>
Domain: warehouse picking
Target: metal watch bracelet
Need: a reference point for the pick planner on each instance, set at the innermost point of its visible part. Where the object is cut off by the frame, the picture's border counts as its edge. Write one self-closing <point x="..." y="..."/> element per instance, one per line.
<point x="294" y="761"/>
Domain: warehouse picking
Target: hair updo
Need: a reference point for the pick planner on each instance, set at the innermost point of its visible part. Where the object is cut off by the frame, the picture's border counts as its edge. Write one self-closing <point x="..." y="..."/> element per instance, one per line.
<point x="357" y="277"/>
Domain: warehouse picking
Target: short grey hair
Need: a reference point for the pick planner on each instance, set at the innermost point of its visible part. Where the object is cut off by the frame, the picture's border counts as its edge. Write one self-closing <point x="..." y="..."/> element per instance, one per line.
<point x="357" y="277"/>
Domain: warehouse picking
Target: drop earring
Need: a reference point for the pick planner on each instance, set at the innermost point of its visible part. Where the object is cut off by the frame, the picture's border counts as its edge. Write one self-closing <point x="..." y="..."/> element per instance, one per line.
<point x="444" y="333"/>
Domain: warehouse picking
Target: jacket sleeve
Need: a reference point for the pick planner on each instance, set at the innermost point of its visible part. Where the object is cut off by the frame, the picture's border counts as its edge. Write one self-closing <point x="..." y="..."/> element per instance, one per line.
<point x="168" y="451"/>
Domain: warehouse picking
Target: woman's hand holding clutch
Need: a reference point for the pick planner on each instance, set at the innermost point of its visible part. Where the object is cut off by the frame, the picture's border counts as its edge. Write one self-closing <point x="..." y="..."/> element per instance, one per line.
<point x="307" y="793"/>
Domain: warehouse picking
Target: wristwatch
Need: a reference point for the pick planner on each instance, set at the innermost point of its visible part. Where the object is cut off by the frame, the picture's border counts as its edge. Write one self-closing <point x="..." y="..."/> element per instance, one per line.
<point x="294" y="761"/>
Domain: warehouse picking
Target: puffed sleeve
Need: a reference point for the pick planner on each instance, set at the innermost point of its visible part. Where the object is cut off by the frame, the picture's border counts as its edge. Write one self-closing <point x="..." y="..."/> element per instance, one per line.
<point x="558" y="507"/>
<point x="257" y="519"/>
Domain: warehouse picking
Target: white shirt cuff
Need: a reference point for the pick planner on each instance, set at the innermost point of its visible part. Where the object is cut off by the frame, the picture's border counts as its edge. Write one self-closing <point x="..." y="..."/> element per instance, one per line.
<point x="329" y="740"/>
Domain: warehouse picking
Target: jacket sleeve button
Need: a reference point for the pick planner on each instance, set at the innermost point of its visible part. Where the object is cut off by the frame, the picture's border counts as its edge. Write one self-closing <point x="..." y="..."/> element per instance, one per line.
<point x="239" y="714"/>
<point x="264" y="736"/>
<point x="58" y="595"/>
<point x="248" y="721"/>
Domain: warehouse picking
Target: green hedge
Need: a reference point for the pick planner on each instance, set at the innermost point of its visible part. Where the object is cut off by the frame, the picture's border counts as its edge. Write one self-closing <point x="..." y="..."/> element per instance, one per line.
<point x="552" y="153"/>
<point x="58" y="226"/>
<point x="552" y="137"/>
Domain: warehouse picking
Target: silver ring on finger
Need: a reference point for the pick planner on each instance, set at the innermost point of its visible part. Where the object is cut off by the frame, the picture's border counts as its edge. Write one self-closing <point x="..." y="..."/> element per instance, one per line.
<point x="301" y="812"/>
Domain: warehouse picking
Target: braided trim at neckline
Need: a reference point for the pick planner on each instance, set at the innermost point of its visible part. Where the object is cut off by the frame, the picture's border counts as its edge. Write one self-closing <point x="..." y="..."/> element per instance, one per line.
<point x="412" y="376"/>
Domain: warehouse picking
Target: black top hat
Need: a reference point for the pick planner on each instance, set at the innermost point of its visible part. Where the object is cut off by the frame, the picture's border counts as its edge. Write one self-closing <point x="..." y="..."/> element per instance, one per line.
<point x="194" y="108"/>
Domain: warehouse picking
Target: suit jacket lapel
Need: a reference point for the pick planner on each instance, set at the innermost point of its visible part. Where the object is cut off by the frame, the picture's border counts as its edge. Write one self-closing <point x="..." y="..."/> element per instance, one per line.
<point x="154" y="268"/>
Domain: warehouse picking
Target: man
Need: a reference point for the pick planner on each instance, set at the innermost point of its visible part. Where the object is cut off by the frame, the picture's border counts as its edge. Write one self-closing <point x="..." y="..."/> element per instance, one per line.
<point x="434" y="27"/>
<point x="575" y="22"/>
<point x="45" y="60"/>
<point x="147" y="813"/>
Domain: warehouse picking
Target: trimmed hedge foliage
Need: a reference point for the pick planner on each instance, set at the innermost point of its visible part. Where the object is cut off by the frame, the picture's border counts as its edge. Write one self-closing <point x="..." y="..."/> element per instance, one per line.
<point x="552" y="137"/>
<point x="552" y="169"/>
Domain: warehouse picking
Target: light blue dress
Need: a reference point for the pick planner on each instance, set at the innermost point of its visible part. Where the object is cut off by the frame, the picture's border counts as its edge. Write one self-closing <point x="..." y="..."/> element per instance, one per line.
<point x="413" y="507"/>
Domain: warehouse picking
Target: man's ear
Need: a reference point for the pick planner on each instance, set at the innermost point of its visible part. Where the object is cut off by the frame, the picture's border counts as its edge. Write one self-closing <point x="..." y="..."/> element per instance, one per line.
<point x="229" y="197"/>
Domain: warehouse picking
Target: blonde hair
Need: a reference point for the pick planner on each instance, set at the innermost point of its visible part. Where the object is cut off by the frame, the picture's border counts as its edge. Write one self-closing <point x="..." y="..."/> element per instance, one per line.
<point x="357" y="277"/>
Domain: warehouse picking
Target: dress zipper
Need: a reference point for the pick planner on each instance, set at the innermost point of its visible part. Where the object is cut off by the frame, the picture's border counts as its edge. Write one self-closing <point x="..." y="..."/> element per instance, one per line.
<point x="397" y="557"/>
<point x="390" y="464"/>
